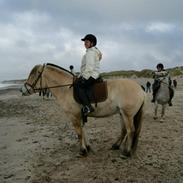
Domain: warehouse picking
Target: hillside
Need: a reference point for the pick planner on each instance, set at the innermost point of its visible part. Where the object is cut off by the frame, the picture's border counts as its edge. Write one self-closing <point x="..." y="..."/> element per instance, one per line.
<point x="147" y="73"/>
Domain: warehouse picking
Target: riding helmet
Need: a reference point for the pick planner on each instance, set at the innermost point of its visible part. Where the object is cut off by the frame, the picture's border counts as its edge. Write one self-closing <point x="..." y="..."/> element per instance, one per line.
<point x="91" y="38"/>
<point x="71" y="67"/>
<point x="160" y="65"/>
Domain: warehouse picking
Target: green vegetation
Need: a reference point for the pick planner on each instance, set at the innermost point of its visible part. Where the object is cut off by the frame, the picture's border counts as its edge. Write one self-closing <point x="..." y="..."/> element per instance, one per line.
<point x="147" y="73"/>
<point x="176" y="71"/>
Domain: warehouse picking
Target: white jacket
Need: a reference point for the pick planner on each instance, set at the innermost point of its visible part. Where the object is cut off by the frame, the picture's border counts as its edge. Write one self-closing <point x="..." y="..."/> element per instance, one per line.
<point x="162" y="76"/>
<point x="90" y="64"/>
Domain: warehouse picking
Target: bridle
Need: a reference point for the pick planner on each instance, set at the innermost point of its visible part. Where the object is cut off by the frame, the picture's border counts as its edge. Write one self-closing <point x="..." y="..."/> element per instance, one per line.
<point x="34" y="89"/>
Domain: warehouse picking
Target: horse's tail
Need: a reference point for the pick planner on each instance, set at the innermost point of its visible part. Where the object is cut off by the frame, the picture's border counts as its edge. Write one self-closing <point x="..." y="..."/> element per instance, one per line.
<point x="137" y="125"/>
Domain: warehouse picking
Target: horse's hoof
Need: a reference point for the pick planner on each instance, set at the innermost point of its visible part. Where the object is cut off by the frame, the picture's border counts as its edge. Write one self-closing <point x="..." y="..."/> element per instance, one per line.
<point x="162" y="120"/>
<point x="115" y="147"/>
<point x="88" y="148"/>
<point x="83" y="152"/>
<point x="125" y="154"/>
<point x="155" y="117"/>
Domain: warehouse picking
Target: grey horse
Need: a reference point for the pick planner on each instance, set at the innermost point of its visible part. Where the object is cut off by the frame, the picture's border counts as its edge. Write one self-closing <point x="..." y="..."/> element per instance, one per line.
<point x="162" y="98"/>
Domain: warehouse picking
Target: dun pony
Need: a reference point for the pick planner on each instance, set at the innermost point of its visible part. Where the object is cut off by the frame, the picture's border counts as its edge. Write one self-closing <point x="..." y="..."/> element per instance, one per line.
<point x="125" y="97"/>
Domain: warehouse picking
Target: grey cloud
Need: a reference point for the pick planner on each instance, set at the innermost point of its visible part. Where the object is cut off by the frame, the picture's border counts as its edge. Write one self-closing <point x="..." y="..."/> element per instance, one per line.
<point x="131" y="34"/>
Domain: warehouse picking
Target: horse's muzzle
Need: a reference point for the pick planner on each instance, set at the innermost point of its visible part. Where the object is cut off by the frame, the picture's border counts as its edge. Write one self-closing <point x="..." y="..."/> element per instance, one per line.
<point x="25" y="90"/>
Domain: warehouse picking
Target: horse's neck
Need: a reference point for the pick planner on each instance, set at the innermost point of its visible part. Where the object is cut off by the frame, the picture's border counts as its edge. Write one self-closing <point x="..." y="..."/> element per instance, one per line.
<point x="57" y="77"/>
<point x="164" y="85"/>
<point x="58" y="83"/>
<point x="163" y="90"/>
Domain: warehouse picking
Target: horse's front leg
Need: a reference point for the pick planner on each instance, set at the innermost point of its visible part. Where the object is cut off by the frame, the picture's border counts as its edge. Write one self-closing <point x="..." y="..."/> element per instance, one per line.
<point x="163" y="113"/>
<point x="80" y="130"/>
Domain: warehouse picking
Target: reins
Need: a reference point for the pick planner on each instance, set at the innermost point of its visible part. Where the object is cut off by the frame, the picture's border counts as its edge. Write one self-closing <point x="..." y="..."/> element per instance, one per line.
<point x="57" y="86"/>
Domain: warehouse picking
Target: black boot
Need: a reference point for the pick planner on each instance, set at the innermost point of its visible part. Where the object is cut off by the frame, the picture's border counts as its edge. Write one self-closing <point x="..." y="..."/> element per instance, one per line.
<point x="171" y="96"/>
<point x="153" y="99"/>
<point x="155" y="88"/>
<point x="153" y="94"/>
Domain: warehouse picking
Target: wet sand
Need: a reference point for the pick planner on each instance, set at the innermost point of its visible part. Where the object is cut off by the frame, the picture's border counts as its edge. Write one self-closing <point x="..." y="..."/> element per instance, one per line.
<point x="38" y="145"/>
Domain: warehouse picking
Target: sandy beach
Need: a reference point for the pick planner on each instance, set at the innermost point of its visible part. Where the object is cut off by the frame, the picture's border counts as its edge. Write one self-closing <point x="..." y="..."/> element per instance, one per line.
<point x="38" y="144"/>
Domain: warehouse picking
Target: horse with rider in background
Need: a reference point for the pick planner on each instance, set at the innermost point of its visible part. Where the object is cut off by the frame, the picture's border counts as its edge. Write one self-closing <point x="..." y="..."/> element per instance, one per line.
<point x="162" y="90"/>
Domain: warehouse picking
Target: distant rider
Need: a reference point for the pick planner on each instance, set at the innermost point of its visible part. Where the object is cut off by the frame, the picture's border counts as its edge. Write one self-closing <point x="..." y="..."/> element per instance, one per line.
<point x="158" y="76"/>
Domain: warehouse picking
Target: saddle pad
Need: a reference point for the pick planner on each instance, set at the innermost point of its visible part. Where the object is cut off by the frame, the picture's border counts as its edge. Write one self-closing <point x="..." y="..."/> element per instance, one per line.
<point x="99" y="92"/>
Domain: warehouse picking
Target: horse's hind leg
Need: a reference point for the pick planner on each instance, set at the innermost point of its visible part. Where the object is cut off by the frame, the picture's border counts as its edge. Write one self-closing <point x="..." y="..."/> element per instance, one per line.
<point x="128" y="139"/>
<point x="117" y="144"/>
<point x="155" y="111"/>
<point x="163" y="113"/>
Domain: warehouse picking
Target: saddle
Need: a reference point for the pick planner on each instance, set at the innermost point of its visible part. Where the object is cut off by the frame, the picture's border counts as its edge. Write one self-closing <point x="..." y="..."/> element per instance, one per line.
<point x="96" y="93"/>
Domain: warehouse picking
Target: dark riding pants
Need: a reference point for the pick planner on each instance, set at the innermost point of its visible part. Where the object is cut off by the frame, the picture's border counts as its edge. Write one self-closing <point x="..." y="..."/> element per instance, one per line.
<point x="171" y="90"/>
<point x="155" y="87"/>
<point x="84" y="88"/>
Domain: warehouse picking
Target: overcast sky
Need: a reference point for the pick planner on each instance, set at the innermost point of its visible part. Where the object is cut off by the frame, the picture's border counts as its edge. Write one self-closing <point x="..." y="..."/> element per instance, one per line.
<point x="132" y="34"/>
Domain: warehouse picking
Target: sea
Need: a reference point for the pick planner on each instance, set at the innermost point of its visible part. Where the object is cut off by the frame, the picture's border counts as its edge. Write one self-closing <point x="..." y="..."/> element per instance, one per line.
<point x="8" y="85"/>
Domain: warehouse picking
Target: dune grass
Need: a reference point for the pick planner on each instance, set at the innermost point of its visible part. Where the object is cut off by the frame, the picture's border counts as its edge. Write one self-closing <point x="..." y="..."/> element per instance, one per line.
<point x="147" y="73"/>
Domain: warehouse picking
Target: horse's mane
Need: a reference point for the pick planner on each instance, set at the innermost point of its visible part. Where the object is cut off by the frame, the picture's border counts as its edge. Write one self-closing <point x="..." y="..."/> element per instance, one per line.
<point x="34" y="70"/>
<point x="58" y="67"/>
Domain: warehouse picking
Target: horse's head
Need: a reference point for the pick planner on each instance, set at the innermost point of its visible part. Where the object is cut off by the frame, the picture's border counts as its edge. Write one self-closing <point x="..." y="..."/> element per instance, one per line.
<point x="34" y="81"/>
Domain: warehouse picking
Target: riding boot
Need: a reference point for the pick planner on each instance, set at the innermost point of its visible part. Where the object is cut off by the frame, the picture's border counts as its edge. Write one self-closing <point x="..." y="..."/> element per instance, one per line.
<point x="153" y="100"/>
<point x="156" y="87"/>
<point x="171" y="96"/>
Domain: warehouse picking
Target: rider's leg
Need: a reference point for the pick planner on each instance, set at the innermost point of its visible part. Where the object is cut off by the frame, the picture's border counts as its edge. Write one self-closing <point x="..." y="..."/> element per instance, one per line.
<point x="153" y="94"/>
<point x="155" y="89"/>
<point x="171" y="91"/>
<point x="84" y="85"/>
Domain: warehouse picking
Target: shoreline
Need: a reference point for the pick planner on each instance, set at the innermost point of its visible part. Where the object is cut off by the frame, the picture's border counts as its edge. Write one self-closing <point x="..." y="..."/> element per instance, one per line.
<point x="8" y="89"/>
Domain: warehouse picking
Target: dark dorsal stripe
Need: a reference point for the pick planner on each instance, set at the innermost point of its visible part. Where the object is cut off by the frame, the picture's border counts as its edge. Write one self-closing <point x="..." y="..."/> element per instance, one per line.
<point x="53" y="65"/>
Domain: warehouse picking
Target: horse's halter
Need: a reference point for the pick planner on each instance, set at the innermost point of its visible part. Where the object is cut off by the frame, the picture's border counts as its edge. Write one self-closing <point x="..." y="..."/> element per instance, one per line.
<point x="29" y="86"/>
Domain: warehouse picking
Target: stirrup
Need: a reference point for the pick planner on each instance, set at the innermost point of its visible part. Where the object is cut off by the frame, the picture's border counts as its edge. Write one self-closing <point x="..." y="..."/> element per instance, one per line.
<point x="86" y="110"/>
